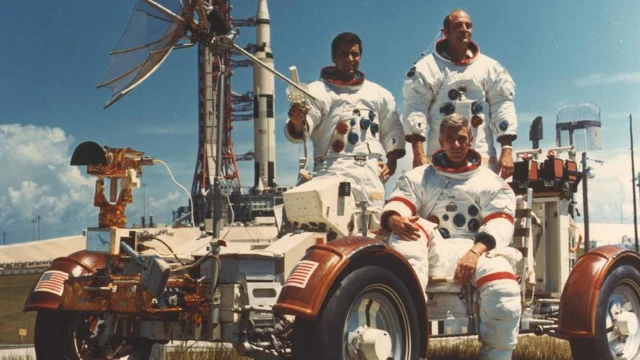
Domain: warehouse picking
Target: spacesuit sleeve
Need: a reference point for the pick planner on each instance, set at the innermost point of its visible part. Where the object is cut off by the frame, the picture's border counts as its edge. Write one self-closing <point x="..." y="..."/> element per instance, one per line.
<point x="391" y="130"/>
<point x="498" y="210"/>
<point x="418" y="93"/>
<point x="317" y="110"/>
<point x="500" y="98"/>
<point x="406" y="197"/>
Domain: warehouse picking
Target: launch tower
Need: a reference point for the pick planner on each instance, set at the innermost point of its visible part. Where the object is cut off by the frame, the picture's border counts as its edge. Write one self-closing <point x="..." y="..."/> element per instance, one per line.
<point x="214" y="111"/>
<point x="210" y="107"/>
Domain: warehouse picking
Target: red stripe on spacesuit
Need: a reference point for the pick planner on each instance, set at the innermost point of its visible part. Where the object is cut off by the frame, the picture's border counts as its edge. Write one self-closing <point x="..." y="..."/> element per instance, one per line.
<point x="406" y="203"/>
<point x="328" y="73"/>
<point x="463" y="169"/>
<point x="426" y="234"/>
<point x="497" y="216"/>
<point x="495" y="276"/>
<point x="473" y="47"/>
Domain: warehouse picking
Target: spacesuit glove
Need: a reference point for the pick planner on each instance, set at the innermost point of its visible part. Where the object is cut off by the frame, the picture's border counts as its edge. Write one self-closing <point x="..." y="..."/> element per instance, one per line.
<point x="297" y="113"/>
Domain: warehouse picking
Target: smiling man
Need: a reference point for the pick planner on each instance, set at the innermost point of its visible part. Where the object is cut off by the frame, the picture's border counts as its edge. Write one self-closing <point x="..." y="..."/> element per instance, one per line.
<point x="463" y="214"/>
<point x="353" y="124"/>
<point x="456" y="77"/>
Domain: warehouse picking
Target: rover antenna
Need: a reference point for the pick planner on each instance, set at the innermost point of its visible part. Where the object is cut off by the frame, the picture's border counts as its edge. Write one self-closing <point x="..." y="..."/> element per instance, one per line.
<point x="578" y="125"/>
<point x="155" y="29"/>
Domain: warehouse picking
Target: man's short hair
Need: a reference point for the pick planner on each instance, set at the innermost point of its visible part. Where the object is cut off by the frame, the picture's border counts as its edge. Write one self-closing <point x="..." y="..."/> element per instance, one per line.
<point x="345" y="38"/>
<point x="447" y="19"/>
<point x="455" y="121"/>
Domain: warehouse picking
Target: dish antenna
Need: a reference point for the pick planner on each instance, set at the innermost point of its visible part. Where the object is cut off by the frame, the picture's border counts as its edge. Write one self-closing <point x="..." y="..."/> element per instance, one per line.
<point x="155" y="29"/>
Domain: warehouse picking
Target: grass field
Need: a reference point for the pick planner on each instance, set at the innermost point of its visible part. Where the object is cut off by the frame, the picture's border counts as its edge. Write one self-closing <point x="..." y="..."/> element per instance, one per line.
<point x="529" y="348"/>
<point x="13" y="293"/>
<point x="14" y="290"/>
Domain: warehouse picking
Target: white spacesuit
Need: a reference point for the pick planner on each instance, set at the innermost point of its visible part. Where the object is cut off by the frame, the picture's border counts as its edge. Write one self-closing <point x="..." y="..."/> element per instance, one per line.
<point x="478" y="88"/>
<point x="457" y="208"/>
<point x="352" y="126"/>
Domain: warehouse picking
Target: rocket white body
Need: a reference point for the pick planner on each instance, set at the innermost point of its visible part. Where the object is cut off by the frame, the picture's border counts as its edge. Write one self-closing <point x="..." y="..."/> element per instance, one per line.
<point x="263" y="104"/>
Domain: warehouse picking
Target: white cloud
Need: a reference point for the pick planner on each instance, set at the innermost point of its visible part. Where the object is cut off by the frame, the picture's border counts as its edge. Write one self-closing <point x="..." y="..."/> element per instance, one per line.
<point x="608" y="79"/>
<point x="610" y="191"/>
<point x="161" y="208"/>
<point x="38" y="180"/>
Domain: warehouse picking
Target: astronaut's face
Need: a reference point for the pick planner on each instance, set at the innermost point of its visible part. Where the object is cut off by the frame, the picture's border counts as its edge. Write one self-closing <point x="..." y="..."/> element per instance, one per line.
<point x="347" y="60"/>
<point x="460" y="28"/>
<point x="456" y="143"/>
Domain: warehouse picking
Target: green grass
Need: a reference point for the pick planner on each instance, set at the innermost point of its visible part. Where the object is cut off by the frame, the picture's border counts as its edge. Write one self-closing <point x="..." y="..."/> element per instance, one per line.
<point x="217" y="352"/>
<point x="13" y="293"/>
<point x="529" y="348"/>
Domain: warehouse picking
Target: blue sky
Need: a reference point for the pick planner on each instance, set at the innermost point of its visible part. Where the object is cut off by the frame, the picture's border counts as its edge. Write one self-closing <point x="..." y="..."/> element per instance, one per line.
<point x="55" y="53"/>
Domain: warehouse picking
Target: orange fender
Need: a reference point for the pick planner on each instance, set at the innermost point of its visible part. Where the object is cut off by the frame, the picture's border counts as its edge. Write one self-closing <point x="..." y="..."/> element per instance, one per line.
<point x="335" y="260"/>
<point x="580" y="294"/>
<point x="77" y="264"/>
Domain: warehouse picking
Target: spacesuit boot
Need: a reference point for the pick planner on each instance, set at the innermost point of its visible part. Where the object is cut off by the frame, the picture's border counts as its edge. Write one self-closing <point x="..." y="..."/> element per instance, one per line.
<point x="499" y="298"/>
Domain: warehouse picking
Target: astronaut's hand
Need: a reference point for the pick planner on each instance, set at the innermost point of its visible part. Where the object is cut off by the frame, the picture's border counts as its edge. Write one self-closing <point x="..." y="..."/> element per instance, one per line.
<point x="505" y="163"/>
<point x="297" y="113"/>
<point x="419" y="160"/>
<point x="385" y="172"/>
<point x="405" y="227"/>
<point x="417" y="147"/>
<point x="466" y="268"/>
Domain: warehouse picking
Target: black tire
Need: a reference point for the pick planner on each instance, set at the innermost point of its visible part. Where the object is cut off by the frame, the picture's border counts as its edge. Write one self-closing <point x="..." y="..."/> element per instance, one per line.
<point x="61" y="335"/>
<point x="326" y="337"/>
<point x="621" y="286"/>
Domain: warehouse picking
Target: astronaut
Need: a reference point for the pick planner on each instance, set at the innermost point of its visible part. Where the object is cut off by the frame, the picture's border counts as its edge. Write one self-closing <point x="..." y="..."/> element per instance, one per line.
<point x="352" y="125"/>
<point x="456" y="77"/>
<point x="473" y="211"/>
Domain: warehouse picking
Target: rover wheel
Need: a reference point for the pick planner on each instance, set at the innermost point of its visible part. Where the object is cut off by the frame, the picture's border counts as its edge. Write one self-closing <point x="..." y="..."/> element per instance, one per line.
<point x="75" y="336"/>
<point x="369" y="314"/>
<point x="617" y="319"/>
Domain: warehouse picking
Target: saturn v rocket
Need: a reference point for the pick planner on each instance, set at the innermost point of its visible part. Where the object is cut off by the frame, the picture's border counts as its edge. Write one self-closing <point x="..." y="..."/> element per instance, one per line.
<point x="263" y="104"/>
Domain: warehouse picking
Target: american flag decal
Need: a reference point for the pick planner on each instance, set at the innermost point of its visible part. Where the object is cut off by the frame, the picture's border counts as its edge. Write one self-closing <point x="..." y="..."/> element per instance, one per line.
<point x="52" y="281"/>
<point x="301" y="274"/>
